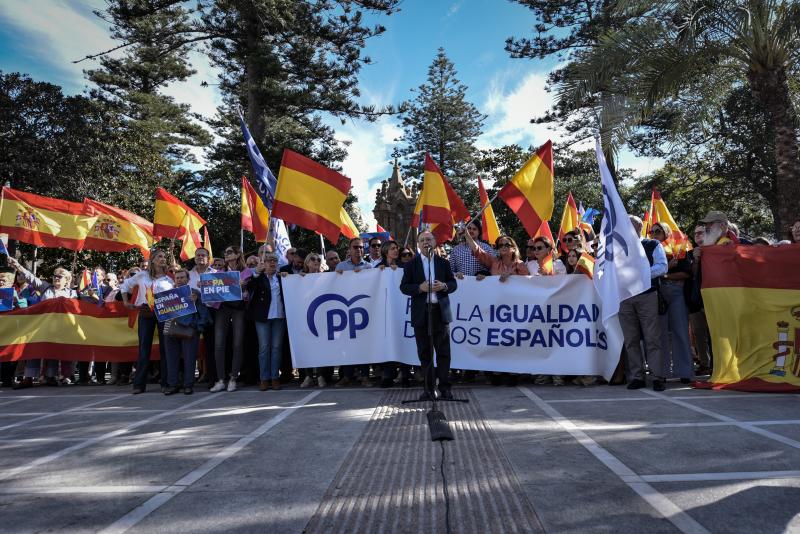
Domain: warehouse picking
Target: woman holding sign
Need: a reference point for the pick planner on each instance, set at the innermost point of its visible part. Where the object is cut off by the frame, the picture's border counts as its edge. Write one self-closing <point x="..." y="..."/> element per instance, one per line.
<point x="266" y="310"/>
<point x="230" y="317"/>
<point x="137" y="294"/>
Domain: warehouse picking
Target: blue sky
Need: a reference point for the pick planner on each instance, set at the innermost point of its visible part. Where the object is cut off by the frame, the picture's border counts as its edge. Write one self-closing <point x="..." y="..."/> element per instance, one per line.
<point x="43" y="37"/>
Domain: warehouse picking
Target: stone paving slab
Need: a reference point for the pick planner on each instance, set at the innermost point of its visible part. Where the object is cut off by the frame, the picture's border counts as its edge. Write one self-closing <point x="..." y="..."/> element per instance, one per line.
<point x="391" y="479"/>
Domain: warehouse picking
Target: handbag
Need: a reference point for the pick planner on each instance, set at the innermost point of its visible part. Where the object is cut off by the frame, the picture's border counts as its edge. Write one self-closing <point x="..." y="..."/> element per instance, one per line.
<point x="174" y="329"/>
<point x="663" y="305"/>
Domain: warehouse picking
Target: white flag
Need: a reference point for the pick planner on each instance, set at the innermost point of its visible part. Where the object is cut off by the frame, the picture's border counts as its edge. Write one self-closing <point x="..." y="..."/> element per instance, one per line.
<point x="621" y="270"/>
<point x="282" y="243"/>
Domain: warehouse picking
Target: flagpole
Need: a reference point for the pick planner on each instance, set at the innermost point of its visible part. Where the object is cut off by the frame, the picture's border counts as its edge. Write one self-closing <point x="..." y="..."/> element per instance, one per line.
<point x="241" y="239"/>
<point x="322" y="244"/>
<point x="408" y="234"/>
<point x="483" y="208"/>
<point x="74" y="261"/>
<point x="35" y="251"/>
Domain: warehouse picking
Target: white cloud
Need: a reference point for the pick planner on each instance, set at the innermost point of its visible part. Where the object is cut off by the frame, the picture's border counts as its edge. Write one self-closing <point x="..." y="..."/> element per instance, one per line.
<point x="453" y="9"/>
<point x="510" y="111"/>
<point x="368" y="159"/>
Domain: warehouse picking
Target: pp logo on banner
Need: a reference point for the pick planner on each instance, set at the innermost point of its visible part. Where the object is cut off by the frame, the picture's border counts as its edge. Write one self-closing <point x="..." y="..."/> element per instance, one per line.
<point x="336" y="319"/>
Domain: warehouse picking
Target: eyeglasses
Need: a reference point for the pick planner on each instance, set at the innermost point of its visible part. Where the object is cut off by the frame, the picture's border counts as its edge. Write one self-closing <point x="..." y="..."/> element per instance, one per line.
<point x="314" y="259"/>
<point x="375" y="245"/>
<point x="58" y="276"/>
<point x="505" y="245"/>
<point x="658" y="230"/>
<point x="271" y="260"/>
<point x="407" y="254"/>
<point x="568" y="240"/>
<point x="358" y="247"/>
<point x="539" y="247"/>
<point x="107" y="280"/>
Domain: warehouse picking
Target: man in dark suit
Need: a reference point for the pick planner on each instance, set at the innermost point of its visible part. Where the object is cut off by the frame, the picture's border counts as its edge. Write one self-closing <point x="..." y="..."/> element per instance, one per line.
<point x="415" y="284"/>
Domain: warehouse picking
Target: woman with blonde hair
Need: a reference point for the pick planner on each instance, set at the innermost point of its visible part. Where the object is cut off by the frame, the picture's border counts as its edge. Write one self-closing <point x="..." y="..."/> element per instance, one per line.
<point x="59" y="288"/>
<point x="141" y="287"/>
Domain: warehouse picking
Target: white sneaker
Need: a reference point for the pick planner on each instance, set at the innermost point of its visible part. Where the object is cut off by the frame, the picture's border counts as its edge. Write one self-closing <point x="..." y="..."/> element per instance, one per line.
<point x="321" y="381"/>
<point x="219" y="386"/>
<point x="232" y="384"/>
<point x="307" y="382"/>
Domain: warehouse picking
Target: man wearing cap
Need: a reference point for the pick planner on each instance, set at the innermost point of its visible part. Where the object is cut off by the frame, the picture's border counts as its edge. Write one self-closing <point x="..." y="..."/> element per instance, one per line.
<point x="640" y="321"/>
<point x="716" y="225"/>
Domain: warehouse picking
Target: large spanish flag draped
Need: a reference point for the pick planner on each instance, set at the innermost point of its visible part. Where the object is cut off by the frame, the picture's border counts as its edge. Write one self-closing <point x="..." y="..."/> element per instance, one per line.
<point x="752" y="303"/>
<point x="69" y="329"/>
<point x="116" y="230"/>
<point x="255" y="216"/>
<point x="569" y="221"/>
<point x="349" y="228"/>
<point x="310" y="195"/>
<point x="529" y="193"/>
<point x="438" y="204"/>
<point x="489" y="226"/>
<point x="175" y="220"/>
<point x="678" y="243"/>
<point x="43" y="221"/>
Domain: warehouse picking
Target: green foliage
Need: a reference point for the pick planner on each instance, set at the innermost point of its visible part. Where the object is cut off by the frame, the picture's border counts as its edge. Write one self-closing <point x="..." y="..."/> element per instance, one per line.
<point x="441" y="121"/>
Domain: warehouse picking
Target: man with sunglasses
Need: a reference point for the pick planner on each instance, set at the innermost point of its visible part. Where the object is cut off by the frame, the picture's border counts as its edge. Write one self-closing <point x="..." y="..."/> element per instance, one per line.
<point x="374" y="257"/>
<point x="355" y="263"/>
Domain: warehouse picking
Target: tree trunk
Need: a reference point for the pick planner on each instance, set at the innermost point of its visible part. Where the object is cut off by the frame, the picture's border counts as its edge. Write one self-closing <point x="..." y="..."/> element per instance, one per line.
<point x="253" y="76"/>
<point x="771" y="89"/>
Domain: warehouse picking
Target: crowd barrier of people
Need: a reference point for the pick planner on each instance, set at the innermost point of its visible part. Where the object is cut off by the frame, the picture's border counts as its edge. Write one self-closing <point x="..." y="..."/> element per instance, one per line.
<point x="245" y="342"/>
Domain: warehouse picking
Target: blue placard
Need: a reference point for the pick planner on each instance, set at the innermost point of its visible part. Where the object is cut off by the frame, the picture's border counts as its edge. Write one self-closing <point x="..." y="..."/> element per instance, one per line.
<point x="220" y="287"/>
<point x="173" y="303"/>
<point x="6" y="298"/>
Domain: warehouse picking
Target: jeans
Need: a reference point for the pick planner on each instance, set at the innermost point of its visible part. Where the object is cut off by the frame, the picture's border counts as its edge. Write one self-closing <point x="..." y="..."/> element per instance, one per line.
<point x="177" y="347"/>
<point x="675" y="331"/>
<point x="224" y="319"/>
<point x="270" y="347"/>
<point x="147" y="328"/>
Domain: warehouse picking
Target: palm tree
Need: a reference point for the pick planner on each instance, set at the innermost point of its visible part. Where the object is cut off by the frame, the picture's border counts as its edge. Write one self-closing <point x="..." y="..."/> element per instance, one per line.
<point x="671" y="46"/>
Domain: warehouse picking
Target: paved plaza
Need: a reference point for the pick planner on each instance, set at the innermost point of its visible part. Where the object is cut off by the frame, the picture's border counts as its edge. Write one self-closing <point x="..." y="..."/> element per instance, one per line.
<point x="525" y="459"/>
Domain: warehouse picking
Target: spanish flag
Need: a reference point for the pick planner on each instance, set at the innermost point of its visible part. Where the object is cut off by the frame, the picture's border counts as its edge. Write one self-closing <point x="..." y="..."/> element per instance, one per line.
<point x="585" y="265"/>
<point x="752" y="303"/>
<point x="310" y="195"/>
<point x="175" y="220"/>
<point x="489" y="226"/>
<point x="544" y="230"/>
<point x="349" y="228"/>
<point x="116" y="230"/>
<point x="678" y="243"/>
<point x="207" y="243"/>
<point x="438" y="204"/>
<point x="547" y="263"/>
<point x="43" y="221"/>
<point x="72" y="330"/>
<point x="529" y="193"/>
<point x="255" y="217"/>
<point x="569" y="221"/>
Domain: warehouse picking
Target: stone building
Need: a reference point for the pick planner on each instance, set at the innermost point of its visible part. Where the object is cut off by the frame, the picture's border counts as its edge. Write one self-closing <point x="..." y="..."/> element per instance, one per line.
<point x="394" y="205"/>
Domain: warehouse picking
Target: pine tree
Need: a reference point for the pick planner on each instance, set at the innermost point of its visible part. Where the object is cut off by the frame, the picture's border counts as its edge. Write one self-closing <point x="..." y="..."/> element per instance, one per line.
<point x="441" y="121"/>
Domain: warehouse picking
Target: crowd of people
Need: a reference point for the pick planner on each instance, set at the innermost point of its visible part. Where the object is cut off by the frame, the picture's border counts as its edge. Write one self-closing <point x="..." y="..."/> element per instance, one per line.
<point x="245" y="342"/>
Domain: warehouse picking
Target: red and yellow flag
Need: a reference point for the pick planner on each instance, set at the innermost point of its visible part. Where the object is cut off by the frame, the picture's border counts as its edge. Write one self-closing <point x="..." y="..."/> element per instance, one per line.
<point x="255" y="216"/>
<point x="310" y="195"/>
<point x="489" y="226"/>
<point x="438" y="204"/>
<point x="585" y="264"/>
<point x="85" y="280"/>
<point x="175" y="220"/>
<point x="752" y="303"/>
<point x="71" y="329"/>
<point x="43" y="221"/>
<point x="349" y="228"/>
<point x="207" y="243"/>
<point x="116" y="230"/>
<point x="547" y="263"/>
<point x="529" y="193"/>
<point x="544" y="230"/>
<point x="678" y="243"/>
<point x="569" y="221"/>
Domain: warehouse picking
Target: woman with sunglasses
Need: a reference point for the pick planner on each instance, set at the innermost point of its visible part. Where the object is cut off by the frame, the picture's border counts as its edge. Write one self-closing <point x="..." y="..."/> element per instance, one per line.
<point x="142" y="286"/>
<point x="229" y="317"/>
<point x="391" y="258"/>
<point x="314" y="264"/>
<point x="59" y="288"/>
<point x="406" y="254"/>
<point x="542" y="249"/>
<point x="506" y="263"/>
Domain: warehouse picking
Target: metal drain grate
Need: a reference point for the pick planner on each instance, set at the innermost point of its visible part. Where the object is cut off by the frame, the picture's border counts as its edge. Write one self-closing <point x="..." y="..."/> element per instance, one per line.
<point x="391" y="480"/>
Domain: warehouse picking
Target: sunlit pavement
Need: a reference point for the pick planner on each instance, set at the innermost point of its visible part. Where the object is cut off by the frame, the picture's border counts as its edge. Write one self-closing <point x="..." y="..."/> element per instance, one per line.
<point x="600" y="459"/>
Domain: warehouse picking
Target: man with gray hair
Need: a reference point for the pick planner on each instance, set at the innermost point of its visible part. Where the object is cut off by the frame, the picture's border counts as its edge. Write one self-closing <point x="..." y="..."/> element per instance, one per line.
<point x="640" y="321"/>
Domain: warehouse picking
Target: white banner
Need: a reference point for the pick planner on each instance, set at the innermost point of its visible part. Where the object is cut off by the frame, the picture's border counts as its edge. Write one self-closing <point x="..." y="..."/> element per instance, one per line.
<point x="540" y="324"/>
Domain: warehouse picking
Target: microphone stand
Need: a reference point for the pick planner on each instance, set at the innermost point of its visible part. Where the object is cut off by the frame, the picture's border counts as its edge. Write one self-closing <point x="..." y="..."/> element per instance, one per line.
<point x="437" y="422"/>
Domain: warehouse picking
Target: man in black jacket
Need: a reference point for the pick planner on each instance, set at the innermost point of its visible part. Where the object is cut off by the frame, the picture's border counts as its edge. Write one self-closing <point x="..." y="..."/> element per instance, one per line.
<point x="415" y="284"/>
